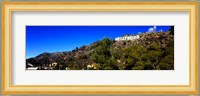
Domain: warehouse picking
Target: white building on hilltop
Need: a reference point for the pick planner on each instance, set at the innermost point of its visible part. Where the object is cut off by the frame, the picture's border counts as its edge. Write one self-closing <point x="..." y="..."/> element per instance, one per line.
<point x="153" y="29"/>
<point x="126" y="38"/>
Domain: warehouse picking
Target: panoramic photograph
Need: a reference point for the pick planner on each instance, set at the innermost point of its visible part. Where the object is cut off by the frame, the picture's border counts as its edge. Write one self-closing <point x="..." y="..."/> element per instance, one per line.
<point x="100" y="47"/>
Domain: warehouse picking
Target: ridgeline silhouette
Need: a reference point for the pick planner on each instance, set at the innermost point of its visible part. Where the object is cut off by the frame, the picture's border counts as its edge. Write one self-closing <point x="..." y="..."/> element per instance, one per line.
<point x="152" y="51"/>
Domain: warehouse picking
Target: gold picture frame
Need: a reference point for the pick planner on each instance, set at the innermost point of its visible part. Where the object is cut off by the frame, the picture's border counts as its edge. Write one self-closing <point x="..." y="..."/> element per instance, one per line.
<point x="9" y="7"/>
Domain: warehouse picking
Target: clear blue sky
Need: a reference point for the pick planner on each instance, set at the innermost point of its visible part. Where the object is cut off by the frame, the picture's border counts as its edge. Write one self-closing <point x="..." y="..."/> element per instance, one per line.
<point x="41" y="39"/>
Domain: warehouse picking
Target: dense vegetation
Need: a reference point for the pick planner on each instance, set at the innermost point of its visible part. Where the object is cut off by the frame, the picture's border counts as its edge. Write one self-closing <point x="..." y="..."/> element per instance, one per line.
<point x="134" y="57"/>
<point x="153" y="51"/>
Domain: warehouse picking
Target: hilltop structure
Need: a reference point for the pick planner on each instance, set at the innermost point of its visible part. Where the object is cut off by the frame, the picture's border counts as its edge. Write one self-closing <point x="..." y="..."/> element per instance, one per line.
<point x="153" y="29"/>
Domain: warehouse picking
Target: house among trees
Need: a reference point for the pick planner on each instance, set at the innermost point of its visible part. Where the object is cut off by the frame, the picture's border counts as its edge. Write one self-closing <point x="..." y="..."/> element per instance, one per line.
<point x="53" y="64"/>
<point x="31" y="67"/>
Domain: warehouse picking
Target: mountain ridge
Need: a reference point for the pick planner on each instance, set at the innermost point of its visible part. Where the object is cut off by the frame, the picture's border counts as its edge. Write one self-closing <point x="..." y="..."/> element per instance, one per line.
<point x="91" y="57"/>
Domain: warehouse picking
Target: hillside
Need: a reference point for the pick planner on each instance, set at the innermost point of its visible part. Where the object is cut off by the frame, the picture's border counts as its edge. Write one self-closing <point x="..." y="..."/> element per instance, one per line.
<point x="152" y="51"/>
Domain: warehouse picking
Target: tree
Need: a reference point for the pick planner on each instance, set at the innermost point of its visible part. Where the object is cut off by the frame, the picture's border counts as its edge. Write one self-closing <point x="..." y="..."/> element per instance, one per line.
<point x="168" y="62"/>
<point x="171" y="29"/>
<point x="101" y="54"/>
<point x="116" y="52"/>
